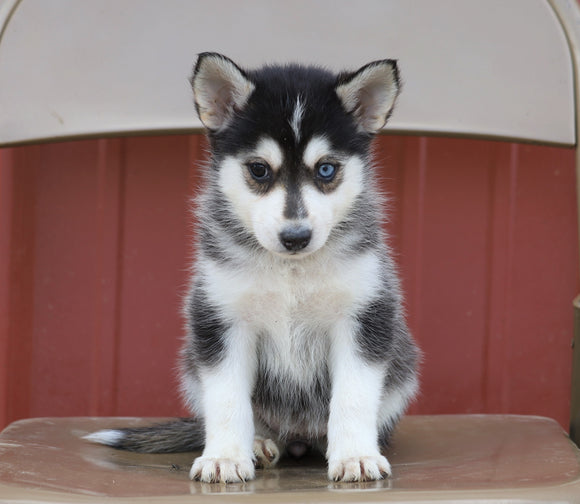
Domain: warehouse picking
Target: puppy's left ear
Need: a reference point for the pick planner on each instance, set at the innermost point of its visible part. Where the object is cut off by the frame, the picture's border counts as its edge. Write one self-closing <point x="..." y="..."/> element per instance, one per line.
<point x="370" y="93"/>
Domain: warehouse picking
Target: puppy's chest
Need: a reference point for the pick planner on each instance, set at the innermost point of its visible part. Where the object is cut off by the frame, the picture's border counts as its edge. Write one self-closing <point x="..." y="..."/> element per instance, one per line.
<point x="292" y="312"/>
<point x="296" y="301"/>
<point x="292" y="308"/>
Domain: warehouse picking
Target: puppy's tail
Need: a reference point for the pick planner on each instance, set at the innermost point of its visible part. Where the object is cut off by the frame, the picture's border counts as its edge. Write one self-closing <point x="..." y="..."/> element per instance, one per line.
<point x="181" y="435"/>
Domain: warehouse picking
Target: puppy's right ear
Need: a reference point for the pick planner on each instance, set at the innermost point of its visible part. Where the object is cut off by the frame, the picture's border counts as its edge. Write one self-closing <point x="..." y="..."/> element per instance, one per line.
<point x="220" y="88"/>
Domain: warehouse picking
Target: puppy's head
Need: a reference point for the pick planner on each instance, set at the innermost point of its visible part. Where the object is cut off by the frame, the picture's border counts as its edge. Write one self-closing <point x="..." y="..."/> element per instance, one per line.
<point x="290" y="144"/>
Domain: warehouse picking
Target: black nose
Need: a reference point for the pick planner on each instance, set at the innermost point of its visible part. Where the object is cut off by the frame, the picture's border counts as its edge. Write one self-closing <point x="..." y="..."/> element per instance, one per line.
<point x="295" y="238"/>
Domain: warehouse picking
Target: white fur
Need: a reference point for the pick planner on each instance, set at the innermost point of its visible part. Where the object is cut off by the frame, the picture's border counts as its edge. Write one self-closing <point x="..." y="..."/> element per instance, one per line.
<point x="296" y="120"/>
<point x="354" y="410"/>
<point x="315" y="290"/>
<point x="396" y="401"/>
<point x="269" y="150"/>
<point x="107" y="437"/>
<point x="318" y="147"/>
<point x="267" y="220"/>
<point x="262" y="214"/>
<point x="227" y="410"/>
<point x="190" y="389"/>
<point x="233" y="184"/>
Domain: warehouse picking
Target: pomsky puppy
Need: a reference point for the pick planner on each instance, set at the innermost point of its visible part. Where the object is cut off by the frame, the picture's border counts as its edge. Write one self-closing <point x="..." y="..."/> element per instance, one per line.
<point x="296" y="333"/>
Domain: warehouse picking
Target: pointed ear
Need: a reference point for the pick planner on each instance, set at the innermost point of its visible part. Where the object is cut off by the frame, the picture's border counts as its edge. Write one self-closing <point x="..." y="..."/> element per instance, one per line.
<point x="370" y="93"/>
<point x="220" y="88"/>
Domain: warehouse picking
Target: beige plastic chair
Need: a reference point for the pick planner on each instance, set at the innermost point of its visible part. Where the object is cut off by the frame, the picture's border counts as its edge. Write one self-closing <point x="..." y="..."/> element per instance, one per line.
<point x="504" y="69"/>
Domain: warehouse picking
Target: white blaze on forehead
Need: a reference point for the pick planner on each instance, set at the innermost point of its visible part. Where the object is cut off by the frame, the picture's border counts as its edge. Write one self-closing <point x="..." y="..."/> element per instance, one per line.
<point x="297" y="116"/>
<point x="269" y="150"/>
<point x="316" y="149"/>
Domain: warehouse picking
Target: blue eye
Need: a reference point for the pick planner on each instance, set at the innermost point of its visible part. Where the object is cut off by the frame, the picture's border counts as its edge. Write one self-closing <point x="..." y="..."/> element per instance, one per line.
<point x="326" y="171"/>
<point x="259" y="171"/>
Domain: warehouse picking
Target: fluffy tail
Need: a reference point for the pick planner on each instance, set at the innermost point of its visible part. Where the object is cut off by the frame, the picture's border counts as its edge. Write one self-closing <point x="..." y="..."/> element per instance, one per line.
<point x="181" y="435"/>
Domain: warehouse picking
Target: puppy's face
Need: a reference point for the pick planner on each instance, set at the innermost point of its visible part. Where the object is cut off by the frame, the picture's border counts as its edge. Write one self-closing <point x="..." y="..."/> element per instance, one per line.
<point x="290" y="144"/>
<point x="291" y="203"/>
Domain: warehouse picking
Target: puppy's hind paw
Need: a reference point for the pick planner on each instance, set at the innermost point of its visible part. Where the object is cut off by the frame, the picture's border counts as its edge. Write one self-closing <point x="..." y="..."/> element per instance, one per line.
<point x="359" y="469"/>
<point x="266" y="452"/>
<point x="221" y="470"/>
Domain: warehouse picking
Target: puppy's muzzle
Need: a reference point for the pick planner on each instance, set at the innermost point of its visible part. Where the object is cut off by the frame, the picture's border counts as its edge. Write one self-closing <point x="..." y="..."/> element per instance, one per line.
<point x="295" y="238"/>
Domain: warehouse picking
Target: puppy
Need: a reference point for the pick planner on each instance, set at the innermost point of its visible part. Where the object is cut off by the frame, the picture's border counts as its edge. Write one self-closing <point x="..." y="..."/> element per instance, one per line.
<point x="296" y="334"/>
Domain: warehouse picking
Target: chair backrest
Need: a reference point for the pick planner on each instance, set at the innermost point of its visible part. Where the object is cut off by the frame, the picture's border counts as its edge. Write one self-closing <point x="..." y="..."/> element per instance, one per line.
<point x="492" y="69"/>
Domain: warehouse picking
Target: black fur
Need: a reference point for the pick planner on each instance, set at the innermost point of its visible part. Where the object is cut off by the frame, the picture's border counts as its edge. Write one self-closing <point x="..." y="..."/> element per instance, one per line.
<point x="272" y="104"/>
<point x="209" y="329"/>
<point x="294" y="208"/>
<point x="377" y="325"/>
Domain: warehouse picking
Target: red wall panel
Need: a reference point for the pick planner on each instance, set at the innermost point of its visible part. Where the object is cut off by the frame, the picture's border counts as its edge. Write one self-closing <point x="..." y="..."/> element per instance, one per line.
<point x="95" y="247"/>
<point x="17" y="282"/>
<point x="67" y="279"/>
<point x="156" y="234"/>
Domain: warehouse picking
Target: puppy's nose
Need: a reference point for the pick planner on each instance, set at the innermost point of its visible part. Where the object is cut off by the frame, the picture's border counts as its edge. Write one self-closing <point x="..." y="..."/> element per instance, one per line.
<point x="295" y="238"/>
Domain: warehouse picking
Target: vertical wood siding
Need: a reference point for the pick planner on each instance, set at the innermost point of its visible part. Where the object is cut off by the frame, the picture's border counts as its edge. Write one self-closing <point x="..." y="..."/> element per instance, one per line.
<point x="94" y="254"/>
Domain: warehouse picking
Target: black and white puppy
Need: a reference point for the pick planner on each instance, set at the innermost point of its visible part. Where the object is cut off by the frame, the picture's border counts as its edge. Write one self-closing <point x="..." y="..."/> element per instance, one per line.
<point x="296" y="335"/>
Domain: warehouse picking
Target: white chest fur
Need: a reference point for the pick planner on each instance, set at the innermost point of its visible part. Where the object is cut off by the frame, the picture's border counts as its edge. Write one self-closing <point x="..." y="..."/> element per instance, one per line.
<point x="290" y="305"/>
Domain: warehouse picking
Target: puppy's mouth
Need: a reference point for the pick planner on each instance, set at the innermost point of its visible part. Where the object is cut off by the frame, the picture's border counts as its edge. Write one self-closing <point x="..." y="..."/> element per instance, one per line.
<point x="295" y="255"/>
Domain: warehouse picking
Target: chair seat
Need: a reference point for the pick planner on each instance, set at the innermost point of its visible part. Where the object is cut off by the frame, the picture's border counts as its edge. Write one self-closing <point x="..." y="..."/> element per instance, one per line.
<point x="459" y="457"/>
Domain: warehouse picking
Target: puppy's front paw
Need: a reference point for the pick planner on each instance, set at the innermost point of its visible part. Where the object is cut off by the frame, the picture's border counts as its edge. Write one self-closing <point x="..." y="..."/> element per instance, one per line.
<point x="359" y="469"/>
<point x="224" y="470"/>
<point x="266" y="452"/>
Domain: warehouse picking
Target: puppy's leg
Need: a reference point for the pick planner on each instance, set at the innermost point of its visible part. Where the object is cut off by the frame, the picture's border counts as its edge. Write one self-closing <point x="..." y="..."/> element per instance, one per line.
<point x="226" y="403"/>
<point x="353" y="452"/>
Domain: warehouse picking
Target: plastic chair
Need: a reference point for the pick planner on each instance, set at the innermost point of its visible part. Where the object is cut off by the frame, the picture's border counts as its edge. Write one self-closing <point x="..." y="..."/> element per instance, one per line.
<point x="71" y="69"/>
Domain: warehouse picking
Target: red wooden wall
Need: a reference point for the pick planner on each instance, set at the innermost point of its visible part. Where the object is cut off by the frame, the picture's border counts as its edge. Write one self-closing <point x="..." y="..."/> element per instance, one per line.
<point x="94" y="247"/>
